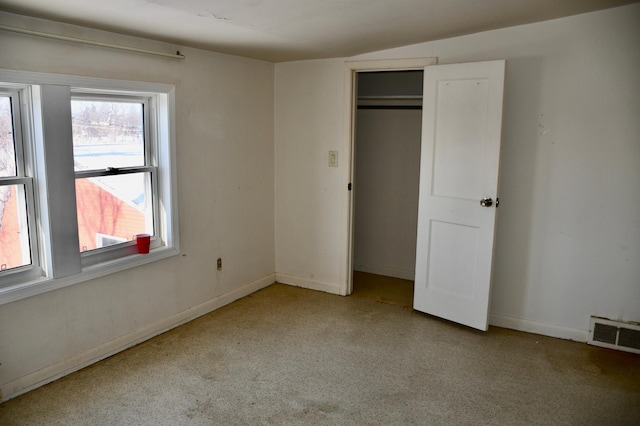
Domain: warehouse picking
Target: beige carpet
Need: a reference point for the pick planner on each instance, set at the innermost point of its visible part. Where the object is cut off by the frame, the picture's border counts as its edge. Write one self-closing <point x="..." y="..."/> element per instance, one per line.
<point x="286" y="356"/>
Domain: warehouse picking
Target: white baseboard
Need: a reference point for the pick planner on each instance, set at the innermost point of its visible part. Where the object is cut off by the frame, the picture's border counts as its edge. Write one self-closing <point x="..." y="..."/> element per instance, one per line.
<point x="307" y="283"/>
<point x="48" y="374"/>
<point x="539" y="328"/>
<point x="405" y="274"/>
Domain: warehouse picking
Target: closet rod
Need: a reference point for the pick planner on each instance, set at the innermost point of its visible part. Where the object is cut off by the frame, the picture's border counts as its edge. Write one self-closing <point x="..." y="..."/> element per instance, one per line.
<point x="177" y="55"/>
<point x="391" y="98"/>
<point x="389" y="106"/>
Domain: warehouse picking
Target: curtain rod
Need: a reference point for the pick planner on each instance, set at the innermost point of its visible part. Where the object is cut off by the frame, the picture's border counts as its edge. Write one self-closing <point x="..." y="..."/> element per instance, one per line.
<point x="89" y="42"/>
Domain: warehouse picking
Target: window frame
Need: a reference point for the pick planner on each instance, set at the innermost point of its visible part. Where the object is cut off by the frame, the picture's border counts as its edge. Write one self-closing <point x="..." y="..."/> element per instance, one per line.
<point x="51" y="274"/>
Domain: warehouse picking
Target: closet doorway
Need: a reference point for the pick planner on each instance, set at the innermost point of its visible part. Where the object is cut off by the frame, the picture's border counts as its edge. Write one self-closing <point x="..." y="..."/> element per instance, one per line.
<point x="387" y="134"/>
<point x="458" y="189"/>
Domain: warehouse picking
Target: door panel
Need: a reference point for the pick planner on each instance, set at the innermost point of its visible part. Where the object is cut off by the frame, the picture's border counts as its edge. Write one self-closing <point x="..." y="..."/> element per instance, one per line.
<point x="456" y="142"/>
<point x="462" y="119"/>
<point x="449" y="275"/>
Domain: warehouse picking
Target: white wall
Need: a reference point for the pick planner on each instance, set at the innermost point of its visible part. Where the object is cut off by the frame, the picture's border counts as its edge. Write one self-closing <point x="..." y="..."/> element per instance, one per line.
<point x="309" y="210"/>
<point x="387" y="176"/>
<point x="568" y="243"/>
<point x="225" y="163"/>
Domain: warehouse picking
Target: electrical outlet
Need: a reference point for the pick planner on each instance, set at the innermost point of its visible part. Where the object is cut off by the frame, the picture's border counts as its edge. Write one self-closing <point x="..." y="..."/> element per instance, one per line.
<point x="219" y="263"/>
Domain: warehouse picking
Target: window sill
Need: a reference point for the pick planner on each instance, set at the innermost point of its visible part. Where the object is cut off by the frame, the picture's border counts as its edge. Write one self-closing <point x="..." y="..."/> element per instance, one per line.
<point x="23" y="290"/>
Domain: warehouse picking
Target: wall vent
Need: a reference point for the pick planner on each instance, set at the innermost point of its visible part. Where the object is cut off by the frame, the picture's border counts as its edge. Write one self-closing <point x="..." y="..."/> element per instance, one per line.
<point x="619" y="335"/>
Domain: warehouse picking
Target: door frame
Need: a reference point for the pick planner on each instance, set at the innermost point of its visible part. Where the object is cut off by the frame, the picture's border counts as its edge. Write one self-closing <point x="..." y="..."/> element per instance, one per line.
<point x="350" y="110"/>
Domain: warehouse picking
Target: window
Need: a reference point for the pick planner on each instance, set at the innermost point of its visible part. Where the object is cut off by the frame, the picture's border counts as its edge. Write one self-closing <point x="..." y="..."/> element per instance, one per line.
<point x="85" y="165"/>
<point x="114" y="166"/>
<point x="17" y="242"/>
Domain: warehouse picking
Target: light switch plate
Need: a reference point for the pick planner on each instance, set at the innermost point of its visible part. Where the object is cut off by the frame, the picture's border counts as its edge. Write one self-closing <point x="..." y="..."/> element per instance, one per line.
<point x="333" y="158"/>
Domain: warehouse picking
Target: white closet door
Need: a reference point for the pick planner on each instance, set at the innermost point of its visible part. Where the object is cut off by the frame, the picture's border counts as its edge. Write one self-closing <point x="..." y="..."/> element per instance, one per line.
<point x="461" y="130"/>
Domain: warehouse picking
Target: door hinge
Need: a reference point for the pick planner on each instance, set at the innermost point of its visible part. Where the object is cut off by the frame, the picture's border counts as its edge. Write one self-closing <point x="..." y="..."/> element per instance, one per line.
<point x="349" y="186"/>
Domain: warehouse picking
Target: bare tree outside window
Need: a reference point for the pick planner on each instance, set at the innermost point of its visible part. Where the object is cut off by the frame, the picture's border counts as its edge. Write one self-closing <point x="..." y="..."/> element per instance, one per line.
<point x="107" y="134"/>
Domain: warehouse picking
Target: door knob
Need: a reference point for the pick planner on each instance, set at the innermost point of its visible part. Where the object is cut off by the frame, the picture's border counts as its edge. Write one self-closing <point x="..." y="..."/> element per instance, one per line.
<point x="486" y="202"/>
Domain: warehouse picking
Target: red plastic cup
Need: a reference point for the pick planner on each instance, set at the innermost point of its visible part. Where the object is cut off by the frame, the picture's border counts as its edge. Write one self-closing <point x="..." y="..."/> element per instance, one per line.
<point x="143" y="241"/>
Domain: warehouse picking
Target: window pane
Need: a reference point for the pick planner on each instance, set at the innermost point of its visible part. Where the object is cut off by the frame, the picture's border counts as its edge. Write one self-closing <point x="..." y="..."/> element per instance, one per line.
<point x="14" y="232"/>
<point x="7" y="149"/>
<point x="112" y="209"/>
<point x="107" y="134"/>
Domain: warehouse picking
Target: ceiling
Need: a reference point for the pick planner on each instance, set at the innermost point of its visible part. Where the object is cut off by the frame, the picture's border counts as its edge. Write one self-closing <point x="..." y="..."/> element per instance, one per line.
<point x="285" y="30"/>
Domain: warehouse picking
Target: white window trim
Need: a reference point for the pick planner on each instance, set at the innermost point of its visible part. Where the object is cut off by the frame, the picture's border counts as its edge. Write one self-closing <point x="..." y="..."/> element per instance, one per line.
<point x="168" y="218"/>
